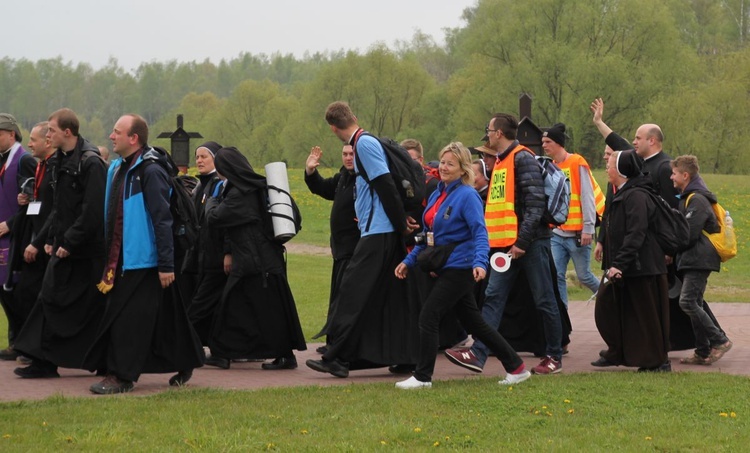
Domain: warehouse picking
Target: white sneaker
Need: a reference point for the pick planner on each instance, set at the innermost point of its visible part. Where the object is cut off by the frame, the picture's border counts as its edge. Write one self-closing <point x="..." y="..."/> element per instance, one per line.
<point x="412" y="383"/>
<point x="511" y="379"/>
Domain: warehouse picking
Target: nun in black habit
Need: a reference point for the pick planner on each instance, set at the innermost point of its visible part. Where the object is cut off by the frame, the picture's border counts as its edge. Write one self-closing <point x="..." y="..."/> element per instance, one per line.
<point x="256" y="317"/>
<point x="206" y="258"/>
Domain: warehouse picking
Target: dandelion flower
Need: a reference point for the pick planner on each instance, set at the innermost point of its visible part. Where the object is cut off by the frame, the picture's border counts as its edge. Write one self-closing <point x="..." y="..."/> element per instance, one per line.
<point x="723" y="414"/>
<point x="648" y="437"/>
<point x="570" y="411"/>
<point x="733" y="415"/>
<point x="566" y="401"/>
<point x="436" y="444"/>
<point x="417" y="430"/>
<point x="304" y="431"/>
<point x="6" y="436"/>
<point x="382" y="442"/>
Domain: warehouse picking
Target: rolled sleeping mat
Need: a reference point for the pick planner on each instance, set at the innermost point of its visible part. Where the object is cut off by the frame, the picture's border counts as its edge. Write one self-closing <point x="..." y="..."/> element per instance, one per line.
<point x="280" y="202"/>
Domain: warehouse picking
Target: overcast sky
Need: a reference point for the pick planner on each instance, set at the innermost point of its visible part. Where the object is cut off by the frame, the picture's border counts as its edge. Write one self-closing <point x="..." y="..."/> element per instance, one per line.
<point x="135" y="31"/>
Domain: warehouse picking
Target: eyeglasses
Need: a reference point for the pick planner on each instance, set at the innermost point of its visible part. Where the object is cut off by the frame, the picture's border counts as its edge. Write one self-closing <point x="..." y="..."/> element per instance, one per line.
<point x="487" y="130"/>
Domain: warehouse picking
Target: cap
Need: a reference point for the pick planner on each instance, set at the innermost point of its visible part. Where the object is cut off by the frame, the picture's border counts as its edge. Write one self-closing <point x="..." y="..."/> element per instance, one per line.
<point x="8" y="123"/>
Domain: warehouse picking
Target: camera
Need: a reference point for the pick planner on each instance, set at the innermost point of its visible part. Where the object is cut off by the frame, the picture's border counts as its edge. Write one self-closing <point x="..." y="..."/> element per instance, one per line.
<point x="420" y="238"/>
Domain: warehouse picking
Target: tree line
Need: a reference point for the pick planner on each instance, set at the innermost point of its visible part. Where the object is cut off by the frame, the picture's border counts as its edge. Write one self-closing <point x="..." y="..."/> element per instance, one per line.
<point x="683" y="64"/>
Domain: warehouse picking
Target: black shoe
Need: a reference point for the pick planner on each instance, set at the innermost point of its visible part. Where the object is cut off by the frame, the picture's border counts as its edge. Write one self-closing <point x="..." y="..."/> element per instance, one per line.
<point x="281" y="363"/>
<point x="322" y="349"/>
<point x="601" y="362"/>
<point x="35" y="371"/>
<point x="111" y="385"/>
<point x="402" y="369"/>
<point x="603" y="352"/>
<point x="8" y="353"/>
<point x="218" y="362"/>
<point x="181" y="378"/>
<point x="665" y="367"/>
<point x="334" y="367"/>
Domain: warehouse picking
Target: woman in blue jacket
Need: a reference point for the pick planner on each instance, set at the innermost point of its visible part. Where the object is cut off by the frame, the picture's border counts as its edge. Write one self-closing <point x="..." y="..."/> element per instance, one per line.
<point x="454" y="218"/>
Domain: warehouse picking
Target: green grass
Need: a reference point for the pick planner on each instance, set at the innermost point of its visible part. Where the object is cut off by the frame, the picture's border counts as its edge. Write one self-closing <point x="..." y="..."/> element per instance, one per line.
<point x="582" y="412"/>
<point x="576" y="412"/>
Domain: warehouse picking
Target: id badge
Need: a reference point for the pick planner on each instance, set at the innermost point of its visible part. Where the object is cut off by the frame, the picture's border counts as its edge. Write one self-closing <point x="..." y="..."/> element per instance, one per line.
<point x="34" y="208"/>
<point x="430" y="239"/>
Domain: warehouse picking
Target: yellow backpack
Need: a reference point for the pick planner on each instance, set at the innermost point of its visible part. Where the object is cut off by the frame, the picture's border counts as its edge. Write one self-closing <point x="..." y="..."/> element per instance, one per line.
<point x="725" y="241"/>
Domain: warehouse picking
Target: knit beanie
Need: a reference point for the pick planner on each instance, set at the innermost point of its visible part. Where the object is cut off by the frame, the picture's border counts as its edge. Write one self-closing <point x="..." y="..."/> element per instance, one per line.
<point x="556" y="133"/>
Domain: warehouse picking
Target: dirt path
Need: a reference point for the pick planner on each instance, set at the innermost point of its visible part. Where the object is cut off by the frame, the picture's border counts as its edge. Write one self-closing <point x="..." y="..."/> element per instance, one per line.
<point x="307" y="249"/>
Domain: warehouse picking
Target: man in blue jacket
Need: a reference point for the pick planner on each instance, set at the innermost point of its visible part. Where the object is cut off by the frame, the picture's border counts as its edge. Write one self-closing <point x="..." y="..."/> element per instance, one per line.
<point x="139" y="269"/>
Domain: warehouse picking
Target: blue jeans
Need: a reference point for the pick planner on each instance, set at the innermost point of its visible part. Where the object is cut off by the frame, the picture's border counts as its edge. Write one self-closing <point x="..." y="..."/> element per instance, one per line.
<point x="536" y="265"/>
<point x="563" y="249"/>
<point x="707" y="334"/>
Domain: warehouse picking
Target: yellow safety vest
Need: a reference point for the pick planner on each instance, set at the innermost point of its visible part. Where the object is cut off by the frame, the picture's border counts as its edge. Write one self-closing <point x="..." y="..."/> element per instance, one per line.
<point x="500" y="215"/>
<point x="571" y="166"/>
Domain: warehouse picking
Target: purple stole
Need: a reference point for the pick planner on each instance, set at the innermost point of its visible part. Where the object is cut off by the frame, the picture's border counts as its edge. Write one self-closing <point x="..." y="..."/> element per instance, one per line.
<point x="8" y="206"/>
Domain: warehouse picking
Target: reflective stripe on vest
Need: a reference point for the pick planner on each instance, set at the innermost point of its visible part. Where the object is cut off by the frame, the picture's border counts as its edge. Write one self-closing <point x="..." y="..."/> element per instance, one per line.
<point x="500" y="215"/>
<point x="571" y="166"/>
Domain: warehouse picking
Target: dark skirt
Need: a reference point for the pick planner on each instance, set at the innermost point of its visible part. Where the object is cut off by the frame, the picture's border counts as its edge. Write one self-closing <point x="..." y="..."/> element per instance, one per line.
<point x="375" y="322"/>
<point x="64" y="321"/>
<point x="522" y="325"/>
<point x="205" y="301"/>
<point x="145" y="330"/>
<point x="337" y="274"/>
<point x="256" y="319"/>
<point x="633" y="319"/>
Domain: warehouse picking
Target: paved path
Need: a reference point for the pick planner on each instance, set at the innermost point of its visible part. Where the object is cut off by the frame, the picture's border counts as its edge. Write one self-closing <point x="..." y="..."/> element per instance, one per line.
<point x="584" y="347"/>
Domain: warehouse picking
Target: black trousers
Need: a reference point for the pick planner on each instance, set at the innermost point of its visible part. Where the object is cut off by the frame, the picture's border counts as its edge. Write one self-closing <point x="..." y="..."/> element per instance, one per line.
<point x="454" y="290"/>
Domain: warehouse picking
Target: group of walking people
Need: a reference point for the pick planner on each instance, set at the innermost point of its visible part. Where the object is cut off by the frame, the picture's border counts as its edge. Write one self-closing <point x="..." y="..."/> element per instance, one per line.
<point x="96" y="276"/>
<point x="119" y="291"/>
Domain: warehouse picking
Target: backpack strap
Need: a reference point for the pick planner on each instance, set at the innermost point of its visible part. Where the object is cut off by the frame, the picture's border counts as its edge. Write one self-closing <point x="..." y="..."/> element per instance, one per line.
<point x="276" y="214"/>
<point x="361" y="172"/>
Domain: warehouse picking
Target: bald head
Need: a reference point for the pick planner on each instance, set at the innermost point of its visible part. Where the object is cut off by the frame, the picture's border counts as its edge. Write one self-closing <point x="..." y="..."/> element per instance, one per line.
<point x="648" y="140"/>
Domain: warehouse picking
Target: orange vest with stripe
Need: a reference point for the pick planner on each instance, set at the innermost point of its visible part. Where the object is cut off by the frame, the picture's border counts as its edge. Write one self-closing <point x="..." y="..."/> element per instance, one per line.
<point x="500" y="215"/>
<point x="571" y="166"/>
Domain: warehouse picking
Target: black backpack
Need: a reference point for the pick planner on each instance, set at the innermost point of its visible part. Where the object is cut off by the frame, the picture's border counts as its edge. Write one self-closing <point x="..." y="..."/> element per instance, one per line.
<point x="669" y="225"/>
<point x="407" y="174"/>
<point x="184" y="218"/>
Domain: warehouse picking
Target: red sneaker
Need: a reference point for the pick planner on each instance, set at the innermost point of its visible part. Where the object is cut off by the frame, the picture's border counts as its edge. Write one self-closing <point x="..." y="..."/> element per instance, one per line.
<point x="464" y="358"/>
<point x="548" y="365"/>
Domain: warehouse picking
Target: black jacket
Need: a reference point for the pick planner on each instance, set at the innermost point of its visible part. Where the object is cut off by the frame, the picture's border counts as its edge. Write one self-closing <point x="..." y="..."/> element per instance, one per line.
<point x="629" y="242"/>
<point x="530" y="201"/>
<point x="210" y="245"/>
<point x="79" y="182"/>
<point x="248" y="231"/>
<point x="701" y="254"/>
<point x="344" y="228"/>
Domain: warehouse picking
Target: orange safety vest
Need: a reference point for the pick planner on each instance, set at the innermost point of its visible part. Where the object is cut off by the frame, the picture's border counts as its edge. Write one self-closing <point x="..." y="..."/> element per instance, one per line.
<point x="571" y="166"/>
<point x="500" y="215"/>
